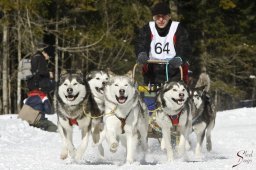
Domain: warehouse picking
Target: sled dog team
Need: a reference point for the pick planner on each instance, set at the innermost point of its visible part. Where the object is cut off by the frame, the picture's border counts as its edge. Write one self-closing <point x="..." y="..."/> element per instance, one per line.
<point x="109" y="107"/>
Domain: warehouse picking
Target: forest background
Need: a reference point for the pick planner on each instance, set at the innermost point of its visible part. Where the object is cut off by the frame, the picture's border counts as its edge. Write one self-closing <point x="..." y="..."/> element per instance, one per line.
<point x="99" y="34"/>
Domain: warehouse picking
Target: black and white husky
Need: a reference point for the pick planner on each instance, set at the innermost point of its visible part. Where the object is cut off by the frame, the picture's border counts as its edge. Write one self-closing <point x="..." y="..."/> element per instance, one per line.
<point x="97" y="80"/>
<point x="203" y="122"/>
<point x="174" y="109"/>
<point x="75" y="106"/>
<point x="126" y="116"/>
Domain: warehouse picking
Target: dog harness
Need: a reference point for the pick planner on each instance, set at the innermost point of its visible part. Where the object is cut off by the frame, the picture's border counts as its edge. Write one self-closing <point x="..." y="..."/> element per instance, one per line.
<point x="175" y="118"/>
<point x="123" y="120"/>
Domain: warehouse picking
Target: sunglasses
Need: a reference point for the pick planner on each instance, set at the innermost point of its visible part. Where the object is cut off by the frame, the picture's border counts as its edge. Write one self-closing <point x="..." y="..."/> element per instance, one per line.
<point x="157" y="17"/>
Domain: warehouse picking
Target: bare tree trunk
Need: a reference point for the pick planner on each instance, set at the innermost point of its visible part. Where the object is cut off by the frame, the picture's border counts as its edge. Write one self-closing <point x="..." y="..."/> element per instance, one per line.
<point x="106" y="17"/>
<point x="5" y="69"/>
<point x="56" y="55"/>
<point x="19" y="58"/>
<point x="31" y="34"/>
<point x="1" y="98"/>
<point x="62" y="56"/>
<point x="9" y="96"/>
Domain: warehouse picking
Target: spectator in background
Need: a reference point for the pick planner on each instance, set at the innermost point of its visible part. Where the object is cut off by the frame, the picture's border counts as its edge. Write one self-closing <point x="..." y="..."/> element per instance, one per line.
<point x="40" y="85"/>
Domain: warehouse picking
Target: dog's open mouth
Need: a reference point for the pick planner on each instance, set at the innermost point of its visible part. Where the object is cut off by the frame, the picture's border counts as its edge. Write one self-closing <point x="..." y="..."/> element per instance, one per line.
<point x="99" y="90"/>
<point x="121" y="99"/>
<point x="71" y="97"/>
<point x="178" y="101"/>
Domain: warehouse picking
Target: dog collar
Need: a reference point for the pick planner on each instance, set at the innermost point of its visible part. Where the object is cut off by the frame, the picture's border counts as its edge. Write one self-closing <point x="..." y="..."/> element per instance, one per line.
<point x="72" y="122"/>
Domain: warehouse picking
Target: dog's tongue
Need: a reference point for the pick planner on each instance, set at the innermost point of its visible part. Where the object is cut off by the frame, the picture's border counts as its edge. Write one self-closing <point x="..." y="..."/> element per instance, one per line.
<point x="70" y="97"/>
<point x="100" y="90"/>
<point x="121" y="99"/>
<point x="180" y="101"/>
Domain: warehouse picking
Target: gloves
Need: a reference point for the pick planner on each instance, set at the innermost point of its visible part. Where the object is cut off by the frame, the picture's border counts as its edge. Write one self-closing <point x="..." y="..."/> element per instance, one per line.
<point x="142" y="58"/>
<point x="175" y="62"/>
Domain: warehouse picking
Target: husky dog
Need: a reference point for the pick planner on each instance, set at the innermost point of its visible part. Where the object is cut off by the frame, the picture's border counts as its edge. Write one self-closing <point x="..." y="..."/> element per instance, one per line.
<point x="75" y="106"/>
<point x="203" y="122"/>
<point x="126" y="116"/>
<point x="97" y="80"/>
<point x="174" y="109"/>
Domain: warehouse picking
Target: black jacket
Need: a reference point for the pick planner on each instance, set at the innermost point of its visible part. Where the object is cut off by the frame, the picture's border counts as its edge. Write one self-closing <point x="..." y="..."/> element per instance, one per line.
<point x="39" y="65"/>
<point x="41" y="77"/>
<point x="156" y="73"/>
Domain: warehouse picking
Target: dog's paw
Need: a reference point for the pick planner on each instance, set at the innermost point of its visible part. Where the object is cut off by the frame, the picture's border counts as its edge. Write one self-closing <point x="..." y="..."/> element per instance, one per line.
<point x="64" y="154"/>
<point x="170" y="157"/>
<point x="198" y="156"/>
<point x="209" y="146"/>
<point x="113" y="147"/>
<point x="101" y="151"/>
<point x="169" y="153"/>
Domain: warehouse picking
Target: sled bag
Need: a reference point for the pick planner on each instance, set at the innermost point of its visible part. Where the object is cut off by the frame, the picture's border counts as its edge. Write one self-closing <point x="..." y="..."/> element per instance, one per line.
<point x="29" y="114"/>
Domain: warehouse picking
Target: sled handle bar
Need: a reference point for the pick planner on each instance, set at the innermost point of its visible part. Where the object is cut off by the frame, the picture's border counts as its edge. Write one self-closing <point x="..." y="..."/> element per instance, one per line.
<point x="156" y="62"/>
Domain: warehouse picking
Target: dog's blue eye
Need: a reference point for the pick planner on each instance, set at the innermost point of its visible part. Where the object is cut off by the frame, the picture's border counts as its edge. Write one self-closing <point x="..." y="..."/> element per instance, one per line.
<point x="174" y="90"/>
<point x="75" y="83"/>
<point x="65" y="84"/>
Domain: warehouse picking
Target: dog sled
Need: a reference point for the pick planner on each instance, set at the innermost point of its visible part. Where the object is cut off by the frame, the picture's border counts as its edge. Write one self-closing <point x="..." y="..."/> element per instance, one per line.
<point x="149" y="93"/>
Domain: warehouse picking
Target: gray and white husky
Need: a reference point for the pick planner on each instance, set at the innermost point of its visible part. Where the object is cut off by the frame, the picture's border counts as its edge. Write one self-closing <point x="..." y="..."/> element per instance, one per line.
<point x="203" y="122"/>
<point x="126" y="116"/>
<point x="75" y="106"/>
<point x="174" y="109"/>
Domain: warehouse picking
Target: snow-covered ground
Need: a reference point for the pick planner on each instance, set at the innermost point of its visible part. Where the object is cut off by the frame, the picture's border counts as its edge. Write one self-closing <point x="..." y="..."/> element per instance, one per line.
<point x="26" y="148"/>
